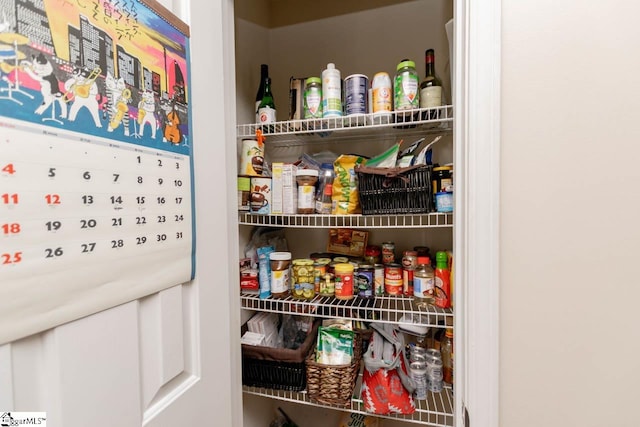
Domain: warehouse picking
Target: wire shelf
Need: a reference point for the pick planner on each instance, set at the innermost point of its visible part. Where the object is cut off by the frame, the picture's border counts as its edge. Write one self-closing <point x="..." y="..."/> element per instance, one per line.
<point x="434" y="220"/>
<point x="401" y="123"/>
<point x="386" y="309"/>
<point x="436" y="410"/>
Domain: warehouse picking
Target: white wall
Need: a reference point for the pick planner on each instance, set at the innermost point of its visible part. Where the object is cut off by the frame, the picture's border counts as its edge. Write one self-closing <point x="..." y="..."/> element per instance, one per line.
<point x="569" y="336"/>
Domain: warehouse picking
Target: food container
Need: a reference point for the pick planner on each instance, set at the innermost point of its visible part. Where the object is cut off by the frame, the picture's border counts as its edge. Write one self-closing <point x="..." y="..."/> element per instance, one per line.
<point x="280" y="274"/>
<point x="302" y="285"/>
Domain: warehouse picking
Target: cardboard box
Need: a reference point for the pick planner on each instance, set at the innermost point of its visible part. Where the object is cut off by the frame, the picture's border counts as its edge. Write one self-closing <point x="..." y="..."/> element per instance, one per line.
<point x="276" y="187"/>
<point x="348" y="242"/>
<point x="289" y="190"/>
<point x="296" y="99"/>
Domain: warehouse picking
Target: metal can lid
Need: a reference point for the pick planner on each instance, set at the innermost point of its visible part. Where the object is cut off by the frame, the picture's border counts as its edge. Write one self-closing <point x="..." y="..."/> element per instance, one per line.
<point x="303" y="261"/>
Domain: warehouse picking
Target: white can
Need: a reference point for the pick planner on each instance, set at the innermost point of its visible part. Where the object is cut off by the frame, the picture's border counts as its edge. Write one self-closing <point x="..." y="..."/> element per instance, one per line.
<point x="331" y="92"/>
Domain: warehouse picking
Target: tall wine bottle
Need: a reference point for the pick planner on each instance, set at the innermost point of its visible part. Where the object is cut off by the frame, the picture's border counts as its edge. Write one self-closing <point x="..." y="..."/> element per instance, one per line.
<point x="267" y="107"/>
<point x="430" y="87"/>
<point x="264" y="73"/>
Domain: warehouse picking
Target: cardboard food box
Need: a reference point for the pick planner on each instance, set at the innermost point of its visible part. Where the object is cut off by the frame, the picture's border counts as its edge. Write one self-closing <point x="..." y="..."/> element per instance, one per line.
<point x="346" y="241"/>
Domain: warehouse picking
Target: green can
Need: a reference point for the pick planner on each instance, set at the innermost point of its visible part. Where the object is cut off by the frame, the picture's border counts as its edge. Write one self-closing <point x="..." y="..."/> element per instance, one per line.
<point x="313" y="98"/>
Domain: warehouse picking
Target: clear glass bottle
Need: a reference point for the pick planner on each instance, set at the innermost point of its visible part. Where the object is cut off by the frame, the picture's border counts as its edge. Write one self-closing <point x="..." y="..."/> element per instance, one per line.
<point x="423" y="283"/>
<point x="446" y="350"/>
<point x="267" y="107"/>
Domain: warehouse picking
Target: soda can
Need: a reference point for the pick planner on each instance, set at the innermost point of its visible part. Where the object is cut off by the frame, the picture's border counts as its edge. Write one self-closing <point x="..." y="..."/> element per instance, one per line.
<point x="434" y="375"/>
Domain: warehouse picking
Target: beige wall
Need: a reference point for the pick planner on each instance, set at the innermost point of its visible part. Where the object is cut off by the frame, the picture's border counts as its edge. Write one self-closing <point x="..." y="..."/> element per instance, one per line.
<point x="569" y="318"/>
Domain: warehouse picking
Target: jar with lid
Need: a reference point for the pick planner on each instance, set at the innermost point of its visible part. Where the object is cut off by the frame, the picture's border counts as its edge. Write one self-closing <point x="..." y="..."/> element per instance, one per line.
<point x="423" y="283"/>
<point x="372" y="254"/>
<point x="280" y="274"/>
<point x="406" y="95"/>
<point x="302" y="285"/>
<point x="344" y="281"/>
<point x="306" y="179"/>
<point x="313" y="98"/>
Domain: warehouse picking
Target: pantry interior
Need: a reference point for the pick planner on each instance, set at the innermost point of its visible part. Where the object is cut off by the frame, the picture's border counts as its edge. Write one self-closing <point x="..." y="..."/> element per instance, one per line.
<point x="298" y="39"/>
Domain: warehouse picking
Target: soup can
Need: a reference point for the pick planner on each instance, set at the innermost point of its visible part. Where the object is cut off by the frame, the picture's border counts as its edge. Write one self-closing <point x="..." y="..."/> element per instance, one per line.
<point x="365" y="281"/>
<point x="393" y="279"/>
<point x="355" y="91"/>
<point x="388" y="252"/>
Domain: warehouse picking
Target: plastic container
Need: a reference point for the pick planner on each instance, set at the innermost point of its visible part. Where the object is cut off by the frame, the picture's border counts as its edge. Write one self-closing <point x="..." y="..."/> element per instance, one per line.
<point x="406" y="95"/>
<point x="446" y="349"/>
<point x="381" y="97"/>
<point x="423" y="283"/>
<point x="344" y="281"/>
<point x="323" y="196"/>
<point x="280" y="274"/>
<point x="313" y="98"/>
<point x="306" y="179"/>
<point x="331" y="92"/>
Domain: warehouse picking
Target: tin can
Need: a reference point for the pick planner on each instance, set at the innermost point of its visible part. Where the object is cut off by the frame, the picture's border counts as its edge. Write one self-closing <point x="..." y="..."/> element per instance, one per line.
<point x="378" y="278"/>
<point x="388" y="253"/>
<point x="260" y="196"/>
<point x="303" y="286"/>
<point x="433" y="353"/>
<point x="410" y="259"/>
<point x="313" y="98"/>
<point x="434" y="375"/>
<point x="393" y="279"/>
<point x="365" y="281"/>
<point x="407" y="281"/>
<point x="355" y="94"/>
<point x="418" y="372"/>
<point x="344" y="281"/>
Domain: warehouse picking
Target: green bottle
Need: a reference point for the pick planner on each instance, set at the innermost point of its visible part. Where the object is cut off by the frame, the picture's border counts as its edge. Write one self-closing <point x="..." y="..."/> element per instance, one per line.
<point x="267" y="107"/>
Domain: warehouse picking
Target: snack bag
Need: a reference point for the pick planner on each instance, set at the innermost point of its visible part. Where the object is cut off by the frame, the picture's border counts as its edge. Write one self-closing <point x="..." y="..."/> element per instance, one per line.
<point x="345" y="198"/>
<point x="358" y="420"/>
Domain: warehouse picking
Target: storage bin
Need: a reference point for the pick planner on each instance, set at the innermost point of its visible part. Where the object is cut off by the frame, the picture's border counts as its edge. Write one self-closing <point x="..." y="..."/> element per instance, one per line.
<point x="405" y="190"/>
<point x="277" y="368"/>
<point x="334" y="384"/>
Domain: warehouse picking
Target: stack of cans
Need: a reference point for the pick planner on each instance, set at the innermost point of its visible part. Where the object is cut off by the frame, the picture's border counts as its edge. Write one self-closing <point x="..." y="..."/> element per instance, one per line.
<point x="425" y="370"/>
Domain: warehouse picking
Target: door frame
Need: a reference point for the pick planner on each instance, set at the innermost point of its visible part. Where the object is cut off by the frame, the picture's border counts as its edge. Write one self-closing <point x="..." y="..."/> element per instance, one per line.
<point x="477" y="214"/>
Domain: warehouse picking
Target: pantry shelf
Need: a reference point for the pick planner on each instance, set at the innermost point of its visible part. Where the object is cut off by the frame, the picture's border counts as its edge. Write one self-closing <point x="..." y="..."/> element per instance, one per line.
<point x="433" y="220"/>
<point x="398" y="123"/>
<point x="387" y="309"/>
<point x="436" y="410"/>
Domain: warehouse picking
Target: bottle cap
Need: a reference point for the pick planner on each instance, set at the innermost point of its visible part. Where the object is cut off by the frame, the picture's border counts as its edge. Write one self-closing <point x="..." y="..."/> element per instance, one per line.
<point x="424" y="260"/>
<point x="280" y="256"/>
<point x="326" y="166"/>
<point x="331" y="66"/>
<point x="449" y="333"/>
<point x="405" y="64"/>
<point x="306" y="172"/>
<point x="313" y="80"/>
<point x="442" y="258"/>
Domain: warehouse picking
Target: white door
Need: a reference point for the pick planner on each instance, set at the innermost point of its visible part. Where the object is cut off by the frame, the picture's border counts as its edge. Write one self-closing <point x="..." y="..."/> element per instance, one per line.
<point x="163" y="360"/>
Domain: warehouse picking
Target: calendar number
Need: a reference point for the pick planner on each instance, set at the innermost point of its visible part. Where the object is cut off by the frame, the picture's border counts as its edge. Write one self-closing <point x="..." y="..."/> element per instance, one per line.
<point x="178" y="200"/>
<point x="87" y="247"/>
<point x="159" y="163"/>
<point x="13" y="258"/>
<point x="179" y="218"/>
<point x="141" y="240"/>
<point x="140" y="220"/>
<point x="87" y="199"/>
<point x="52" y="199"/>
<point x="177" y="165"/>
<point x="177" y="183"/>
<point x="9" y="169"/>
<point x="160" y="181"/>
<point x="53" y="253"/>
<point x="86" y="175"/>
<point x="140" y="200"/>
<point x="161" y="237"/>
<point x="117" y="244"/>
<point x="116" y="222"/>
<point x="52" y="172"/>
<point x="10" y="199"/>
<point x="116" y="200"/>
<point x="53" y="225"/>
<point x="162" y="218"/>
<point x="161" y="200"/>
<point x="139" y="180"/>
<point x="13" y="228"/>
<point x="139" y="159"/>
<point x="115" y="177"/>
<point x="179" y="235"/>
<point x="88" y="223"/>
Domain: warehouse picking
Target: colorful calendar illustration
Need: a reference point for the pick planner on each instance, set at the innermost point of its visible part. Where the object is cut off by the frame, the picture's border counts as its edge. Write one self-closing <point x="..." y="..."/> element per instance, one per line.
<point x="96" y="183"/>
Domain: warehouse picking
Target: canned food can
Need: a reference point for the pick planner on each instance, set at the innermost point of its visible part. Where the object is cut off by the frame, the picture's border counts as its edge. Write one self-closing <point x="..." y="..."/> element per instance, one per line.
<point x="388" y="252"/>
<point x="365" y="281"/>
<point x="434" y="375"/>
<point x="418" y="372"/>
<point x="407" y="281"/>
<point x="410" y="259"/>
<point x="378" y="279"/>
<point x="393" y="279"/>
<point x="355" y="90"/>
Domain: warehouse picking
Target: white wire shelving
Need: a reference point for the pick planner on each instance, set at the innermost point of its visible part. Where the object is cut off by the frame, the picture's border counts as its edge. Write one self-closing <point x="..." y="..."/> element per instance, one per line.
<point x="433" y="220"/>
<point x="401" y="123"/>
<point x="436" y="410"/>
<point x="386" y="309"/>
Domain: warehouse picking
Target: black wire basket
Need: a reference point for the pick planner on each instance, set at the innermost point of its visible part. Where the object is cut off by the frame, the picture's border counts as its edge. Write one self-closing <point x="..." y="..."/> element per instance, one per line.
<point x="396" y="190"/>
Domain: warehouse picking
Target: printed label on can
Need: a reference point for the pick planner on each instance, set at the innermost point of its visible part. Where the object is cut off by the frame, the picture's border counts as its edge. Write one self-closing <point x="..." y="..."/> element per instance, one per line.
<point x="364" y="283"/>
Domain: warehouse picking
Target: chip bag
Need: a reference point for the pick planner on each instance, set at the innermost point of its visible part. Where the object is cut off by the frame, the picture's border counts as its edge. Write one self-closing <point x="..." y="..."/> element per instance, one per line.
<point x="345" y="199"/>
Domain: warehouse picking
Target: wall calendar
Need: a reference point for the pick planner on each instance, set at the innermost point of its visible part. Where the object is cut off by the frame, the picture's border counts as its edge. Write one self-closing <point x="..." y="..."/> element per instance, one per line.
<point x="96" y="183"/>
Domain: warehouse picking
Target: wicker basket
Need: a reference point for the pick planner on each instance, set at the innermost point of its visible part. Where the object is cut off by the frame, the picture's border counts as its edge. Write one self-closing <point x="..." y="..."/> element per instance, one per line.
<point x="333" y="384"/>
<point x="395" y="190"/>
<point x="277" y="368"/>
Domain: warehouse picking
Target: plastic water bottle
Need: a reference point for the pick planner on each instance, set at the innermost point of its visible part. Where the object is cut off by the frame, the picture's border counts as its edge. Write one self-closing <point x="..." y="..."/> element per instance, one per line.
<point x="323" y="206"/>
